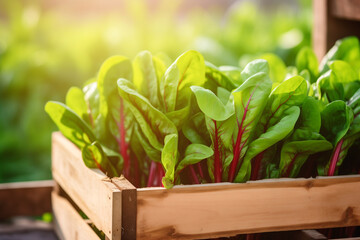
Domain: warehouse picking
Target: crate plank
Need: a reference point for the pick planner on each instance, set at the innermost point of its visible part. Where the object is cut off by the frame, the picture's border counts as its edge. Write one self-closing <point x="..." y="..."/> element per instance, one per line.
<point x="68" y="223"/>
<point x="215" y="210"/>
<point x="92" y="191"/>
<point x="348" y="9"/>
<point x="25" y="198"/>
<point x="333" y="20"/>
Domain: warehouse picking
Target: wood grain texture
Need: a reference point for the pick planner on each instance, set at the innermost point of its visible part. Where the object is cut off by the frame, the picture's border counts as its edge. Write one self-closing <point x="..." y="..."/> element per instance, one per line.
<point x="333" y="20"/>
<point x="215" y="210"/>
<point x="348" y="9"/>
<point x="25" y="198"/>
<point x="90" y="189"/>
<point x="68" y="223"/>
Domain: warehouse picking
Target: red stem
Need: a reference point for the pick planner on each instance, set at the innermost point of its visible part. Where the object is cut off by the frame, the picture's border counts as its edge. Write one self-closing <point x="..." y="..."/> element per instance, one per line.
<point x="238" y="147"/>
<point x="193" y="175"/>
<point x="290" y="166"/>
<point x="217" y="157"/>
<point x="123" y="146"/>
<point x="257" y="164"/>
<point x="200" y="170"/>
<point x="137" y="172"/>
<point x="161" y="174"/>
<point x="335" y="158"/>
<point x="152" y="172"/>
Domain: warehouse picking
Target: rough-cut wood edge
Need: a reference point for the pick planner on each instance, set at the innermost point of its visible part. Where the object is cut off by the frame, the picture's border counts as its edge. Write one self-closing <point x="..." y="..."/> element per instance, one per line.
<point x="347" y="9"/>
<point x="185" y="212"/>
<point x="128" y="207"/>
<point x="25" y="198"/>
<point x="68" y="223"/>
<point x="90" y="189"/>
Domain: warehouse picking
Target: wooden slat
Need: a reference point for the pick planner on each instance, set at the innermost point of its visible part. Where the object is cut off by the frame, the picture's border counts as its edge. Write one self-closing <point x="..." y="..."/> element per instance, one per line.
<point x="215" y="210"/>
<point x="90" y="189"/>
<point x="128" y="207"/>
<point x="68" y="223"/>
<point x="25" y="198"/>
<point x="331" y="23"/>
<point x="348" y="9"/>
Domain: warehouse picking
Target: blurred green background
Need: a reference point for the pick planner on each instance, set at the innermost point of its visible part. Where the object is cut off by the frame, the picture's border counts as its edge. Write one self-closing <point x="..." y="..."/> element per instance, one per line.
<point x="48" y="46"/>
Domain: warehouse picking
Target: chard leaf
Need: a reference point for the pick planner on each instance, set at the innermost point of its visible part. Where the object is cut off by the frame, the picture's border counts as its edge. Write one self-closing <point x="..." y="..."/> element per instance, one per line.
<point x="111" y="70"/>
<point x="306" y="60"/>
<point x="70" y="124"/>
<point x="278" y="131"/>
<point x="329" y="88"/>
<point x="152" y="153"/>
<point x="194" y="153"/>
<point x="343" y="71"/>
<point x="91" y="97"/>
<point x="153" y="123"/>
<point x="169" y="156"/>
<point x="254" y="67"/>
<point x="195" y="130"/>
<point x="146" y="77"/>
<point x="211" y="105"/>
<point x="336" y="119"/>
<point x="249" y="99"/>
<point x="277" y="67"/>
<point x="233" y="73"/>
<point x="187" y="70"/>
<point x="346" y="49"/>
<point x="216" y="78"/>
<point x="94" y="156"/>
<point x="75" y="100"/>
<point x="295" y="153"/>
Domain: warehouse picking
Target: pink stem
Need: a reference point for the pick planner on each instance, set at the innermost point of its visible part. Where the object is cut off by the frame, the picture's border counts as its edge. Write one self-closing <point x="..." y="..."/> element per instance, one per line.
<point x="217" y="158"/>
<point x="152" y="172"/>
<point x="122" y="143"/>
<point x="200" y="170"/>
<point x="257" y="164"/>
<point x="193" y="174"/>
<point x="335" y="158"/>
<point x="161" y="174"/>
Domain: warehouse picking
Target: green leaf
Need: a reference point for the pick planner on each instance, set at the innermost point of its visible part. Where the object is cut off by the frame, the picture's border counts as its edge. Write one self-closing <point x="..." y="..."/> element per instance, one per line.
<point x="187" y="70"/>
<point x="233" y="73"/>
<point x="153" y="123"/>
<point x="329" y="88"/>
<point x="75" y="100"/>
<point x="169" y="156"/>
<point x="211" y="105"/>
<point x="343" y="71"/>
<point x="335" y="121"/>
<point x="217" y="78"/>
<point x="94" y="156"/>
<point x="70" y="124"/>
<point x="295" y="153"/>
<point x="306" y="60"/>
<point x="195" y="129"/>
<point x="254" y="67"/>
<point x="278" y="131"/>
<point x="145" y="77"/>
<point x="111" y="70"/>
<point x="194" y="153"/>
<point x="277" y="67"/>
<point x="310" y="117"/>
<point x="346" y="49"/>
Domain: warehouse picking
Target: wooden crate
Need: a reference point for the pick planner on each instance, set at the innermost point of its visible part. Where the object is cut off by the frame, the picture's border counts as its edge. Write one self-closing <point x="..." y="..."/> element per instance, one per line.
<point x="333" y="20"/>
<point x="198" y="211"/>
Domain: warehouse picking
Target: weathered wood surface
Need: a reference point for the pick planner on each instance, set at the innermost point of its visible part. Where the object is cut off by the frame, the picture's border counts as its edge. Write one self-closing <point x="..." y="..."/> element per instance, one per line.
<point x="333" y="20"/>
<point x="347" y="9"/>
<point x="25" y="198"/>
<point x="68" y="223"/>
<point x="92" y="191"/>
<point x="215" y="210"/>
<point x="102" y="199"/>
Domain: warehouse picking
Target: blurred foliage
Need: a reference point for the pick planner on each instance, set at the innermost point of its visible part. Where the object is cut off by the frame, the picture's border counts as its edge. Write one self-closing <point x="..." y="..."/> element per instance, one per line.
<point x="43" y="52"/>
